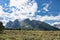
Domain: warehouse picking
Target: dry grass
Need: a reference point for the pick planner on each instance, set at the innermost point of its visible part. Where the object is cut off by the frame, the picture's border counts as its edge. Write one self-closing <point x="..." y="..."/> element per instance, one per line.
<point x="30" y="35"/>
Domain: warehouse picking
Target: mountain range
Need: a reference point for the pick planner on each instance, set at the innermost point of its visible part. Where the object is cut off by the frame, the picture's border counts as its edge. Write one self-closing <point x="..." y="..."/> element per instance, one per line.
<point x="57" y="26"/>
<point x="28" y="24"/>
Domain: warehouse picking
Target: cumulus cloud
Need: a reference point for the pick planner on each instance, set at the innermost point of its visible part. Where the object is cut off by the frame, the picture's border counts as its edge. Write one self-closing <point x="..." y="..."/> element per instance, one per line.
<point x="51" y="17"/>
<point x="24" y="8"/>
<point x="46" y="17"/>
<point x="21" y="9"/>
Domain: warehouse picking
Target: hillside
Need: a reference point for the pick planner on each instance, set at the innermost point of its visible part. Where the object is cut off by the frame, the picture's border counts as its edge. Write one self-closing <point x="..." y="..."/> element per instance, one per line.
<point x="29" y="25"/>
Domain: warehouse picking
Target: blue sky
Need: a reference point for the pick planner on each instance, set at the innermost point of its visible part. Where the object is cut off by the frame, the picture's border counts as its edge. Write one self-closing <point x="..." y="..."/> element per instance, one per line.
<point x="45" y="10"/>
<point x="54" y="7"/>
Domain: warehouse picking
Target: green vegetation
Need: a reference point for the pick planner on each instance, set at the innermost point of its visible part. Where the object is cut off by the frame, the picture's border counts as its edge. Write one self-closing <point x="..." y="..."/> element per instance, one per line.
<point x="1" y="27"/>
<point x="27" y="32"/>
<point x="30" y="35"/>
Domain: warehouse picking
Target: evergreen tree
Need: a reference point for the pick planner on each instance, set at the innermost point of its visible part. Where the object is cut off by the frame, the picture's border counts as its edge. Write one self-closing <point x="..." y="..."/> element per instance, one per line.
<point x="1" y="27"/>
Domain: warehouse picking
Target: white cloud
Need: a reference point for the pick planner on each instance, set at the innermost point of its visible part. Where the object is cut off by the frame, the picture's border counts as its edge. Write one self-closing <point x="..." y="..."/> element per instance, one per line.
<point x="50" y="17"/>
<point x="46" y="6"/>
<point x="24" y="9"/>
<point x="55" y="23"/>
<point x="39" y="11"/>
<point x="46" y="17"/>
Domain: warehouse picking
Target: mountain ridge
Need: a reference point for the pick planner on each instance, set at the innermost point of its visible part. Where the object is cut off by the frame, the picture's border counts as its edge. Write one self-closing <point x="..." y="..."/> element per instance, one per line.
<point x="28" y="24"/>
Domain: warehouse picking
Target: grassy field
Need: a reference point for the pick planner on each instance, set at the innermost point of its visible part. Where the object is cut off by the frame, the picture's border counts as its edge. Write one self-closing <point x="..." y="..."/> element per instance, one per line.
<point x="30" y="35"/>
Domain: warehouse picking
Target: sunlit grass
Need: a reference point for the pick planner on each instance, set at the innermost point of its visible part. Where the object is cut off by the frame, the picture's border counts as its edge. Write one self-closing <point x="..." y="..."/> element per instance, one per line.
<point x="30" y="35"/>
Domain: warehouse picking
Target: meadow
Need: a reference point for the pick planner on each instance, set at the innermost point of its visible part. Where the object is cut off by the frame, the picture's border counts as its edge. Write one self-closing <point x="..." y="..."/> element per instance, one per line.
<point x="29" y="35"/>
